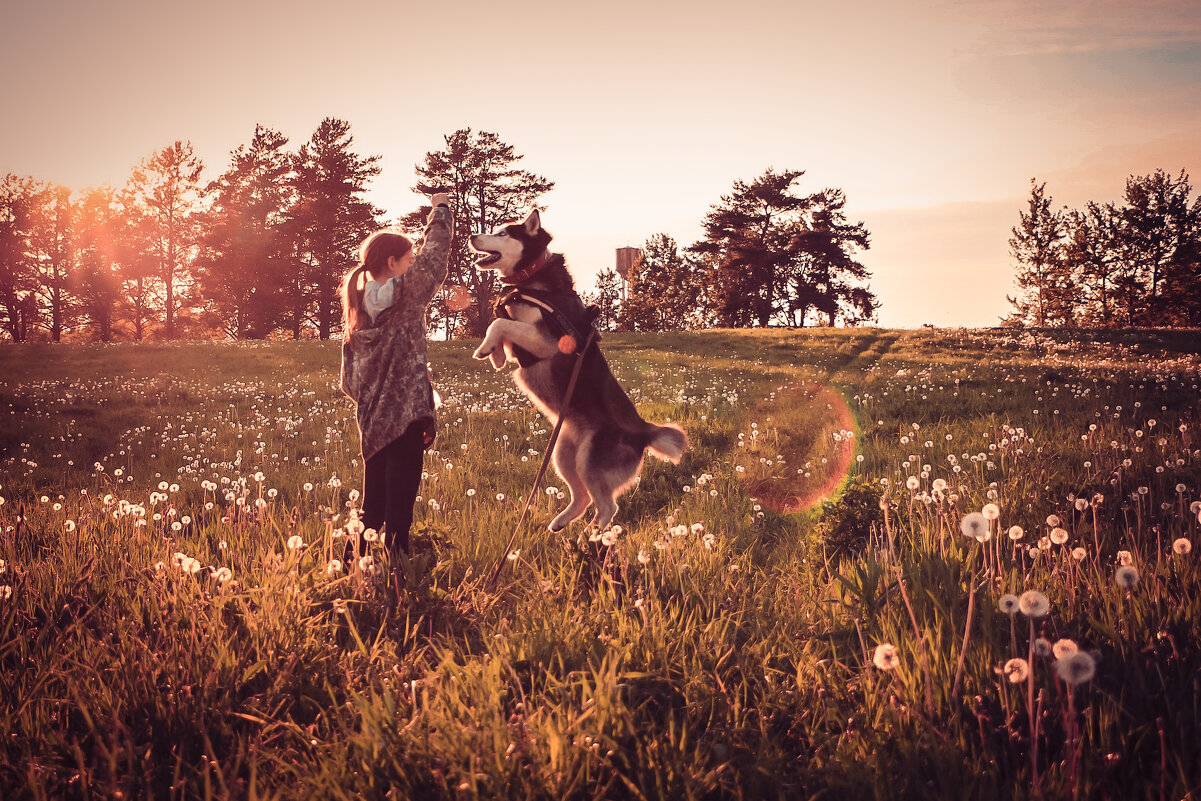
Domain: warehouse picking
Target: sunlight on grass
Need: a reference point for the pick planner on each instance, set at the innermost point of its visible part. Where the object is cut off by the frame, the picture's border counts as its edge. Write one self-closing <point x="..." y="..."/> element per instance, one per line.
<point x="178" y="615"/>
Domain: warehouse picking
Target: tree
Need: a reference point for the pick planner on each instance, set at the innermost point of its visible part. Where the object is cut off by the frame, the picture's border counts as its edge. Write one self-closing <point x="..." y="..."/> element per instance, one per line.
<point x="1045" y="291"/>
<point x="1157" y="239"/>
<point x="606" y="298"/>
<point x="50" y="245"/>
<point x="245" y="262"/>
<point x="96" y="281"/>
<point x="748" y="237"/>
<point x="1091" y="254"/>
<point x="18" y="273"/>
<point x="663" y="290"/>
<point x="167" y="201"/>
<point x="331" y="218"/>
<point x="486" y="189"/>
<point x="826" y="277"/>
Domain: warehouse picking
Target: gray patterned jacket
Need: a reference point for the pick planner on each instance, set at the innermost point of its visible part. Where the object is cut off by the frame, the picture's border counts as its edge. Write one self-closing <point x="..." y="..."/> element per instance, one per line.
<point x="384" y="365"/>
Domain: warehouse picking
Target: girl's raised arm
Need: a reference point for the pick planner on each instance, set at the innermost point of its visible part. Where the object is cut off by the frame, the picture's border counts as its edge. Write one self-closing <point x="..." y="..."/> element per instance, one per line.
<point x="429" y="268"/>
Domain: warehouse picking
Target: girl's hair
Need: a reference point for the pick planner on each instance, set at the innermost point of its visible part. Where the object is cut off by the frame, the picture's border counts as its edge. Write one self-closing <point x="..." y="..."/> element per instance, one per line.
<point x="373" y="259"/>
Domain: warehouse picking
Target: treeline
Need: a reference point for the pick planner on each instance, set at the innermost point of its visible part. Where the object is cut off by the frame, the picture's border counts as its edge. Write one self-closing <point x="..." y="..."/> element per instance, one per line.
<point x="257" y="252"/>
<point x="260" y="251"/>
<point x="769" y="256"/>
<point x="1136" y="262"/>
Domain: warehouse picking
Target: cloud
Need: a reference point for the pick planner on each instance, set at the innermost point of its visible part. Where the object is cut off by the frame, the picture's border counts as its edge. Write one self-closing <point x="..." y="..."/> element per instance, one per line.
<point x="1035" y="27"/>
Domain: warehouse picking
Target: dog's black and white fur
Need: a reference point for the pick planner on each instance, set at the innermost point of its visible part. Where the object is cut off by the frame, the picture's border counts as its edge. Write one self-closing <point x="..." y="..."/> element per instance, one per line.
<point x="602" y="441"/>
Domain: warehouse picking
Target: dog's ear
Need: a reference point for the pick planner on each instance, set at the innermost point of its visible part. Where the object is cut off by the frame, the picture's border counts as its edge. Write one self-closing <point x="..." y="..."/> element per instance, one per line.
<point x="532" y="223"/>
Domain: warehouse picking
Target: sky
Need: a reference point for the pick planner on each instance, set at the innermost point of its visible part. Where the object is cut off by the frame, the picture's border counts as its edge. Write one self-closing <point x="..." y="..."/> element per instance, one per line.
<point x="932" y="116"/>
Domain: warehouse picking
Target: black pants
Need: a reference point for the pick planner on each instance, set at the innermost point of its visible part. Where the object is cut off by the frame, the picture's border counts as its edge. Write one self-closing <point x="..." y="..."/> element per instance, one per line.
<point x="390" y="481"/>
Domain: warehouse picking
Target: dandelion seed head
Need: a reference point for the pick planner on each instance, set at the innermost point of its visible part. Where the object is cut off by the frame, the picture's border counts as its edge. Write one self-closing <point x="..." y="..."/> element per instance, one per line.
<point x="1126" y="577"/>
<point x="885" y="657"/>
<point x="1033" y="603"/>
<point x="1076" y="668"/>
<point x="1063" y="647"/>
<point x="1182" y="547"/>
<point x="1016" y="670"/>
<point x="1008" y="603"/>
<point x="975" y="525"/>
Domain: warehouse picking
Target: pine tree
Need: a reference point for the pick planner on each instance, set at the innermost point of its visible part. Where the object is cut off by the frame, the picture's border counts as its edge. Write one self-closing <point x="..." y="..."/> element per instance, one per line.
<point x="663" y="290"/>
<point x="245" y="264"/>
<point x="1037" y="246"/>
<point x="18" y="273"/>
<point x="50" y="243"/>
<point x="96" y="280"/>
<point x="1157" y="239"/>
<point x="168" y="200"/>
<point x="826" y="277"/>
<point x="1091" y="253"/>
<point x="330" y="221"/>
<point x="486" y="189"/>
<point x="606" y="298"/>
<point x="748" y="238"/>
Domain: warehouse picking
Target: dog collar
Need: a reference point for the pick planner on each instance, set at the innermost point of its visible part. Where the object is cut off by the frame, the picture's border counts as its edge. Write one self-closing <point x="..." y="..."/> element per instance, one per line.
<point x="524" y="274"/>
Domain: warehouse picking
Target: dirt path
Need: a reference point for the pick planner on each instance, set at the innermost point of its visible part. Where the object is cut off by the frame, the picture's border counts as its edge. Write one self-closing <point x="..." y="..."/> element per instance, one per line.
<point x="813" y="429"/>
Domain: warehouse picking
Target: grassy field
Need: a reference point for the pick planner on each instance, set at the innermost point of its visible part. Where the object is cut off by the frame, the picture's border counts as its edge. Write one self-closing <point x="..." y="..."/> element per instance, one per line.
<point x="892" y="564"/>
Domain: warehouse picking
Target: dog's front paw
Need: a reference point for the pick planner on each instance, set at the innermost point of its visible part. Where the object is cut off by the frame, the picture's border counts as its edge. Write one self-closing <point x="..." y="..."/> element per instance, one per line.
<point x="483" y="352"/>
<point x="499" y="359"/>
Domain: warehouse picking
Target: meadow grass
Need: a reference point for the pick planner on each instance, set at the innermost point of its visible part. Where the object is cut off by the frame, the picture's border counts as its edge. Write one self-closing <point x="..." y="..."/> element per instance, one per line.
<point x="793" y="611"/>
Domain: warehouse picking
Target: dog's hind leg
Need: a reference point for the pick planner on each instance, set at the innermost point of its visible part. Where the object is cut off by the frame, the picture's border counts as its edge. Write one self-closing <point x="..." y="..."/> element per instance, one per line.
<point x="608" y="470"/>
<point x="565" y="458"/>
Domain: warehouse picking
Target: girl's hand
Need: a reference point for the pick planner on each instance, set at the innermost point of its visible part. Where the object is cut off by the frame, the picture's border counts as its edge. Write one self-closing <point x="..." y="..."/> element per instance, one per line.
<point x="439" y="198"/>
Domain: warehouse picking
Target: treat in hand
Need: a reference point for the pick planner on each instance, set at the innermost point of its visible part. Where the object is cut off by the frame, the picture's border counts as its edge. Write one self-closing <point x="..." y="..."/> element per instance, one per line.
<point x="458" y="298"/>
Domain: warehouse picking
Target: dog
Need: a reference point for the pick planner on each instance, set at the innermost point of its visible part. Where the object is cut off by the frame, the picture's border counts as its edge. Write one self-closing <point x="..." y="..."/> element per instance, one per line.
<point x="543" y="325"/>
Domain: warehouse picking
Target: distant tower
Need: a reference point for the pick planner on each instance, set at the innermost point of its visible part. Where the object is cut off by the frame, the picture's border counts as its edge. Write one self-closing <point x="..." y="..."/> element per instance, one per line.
<point x="626" y="258"/>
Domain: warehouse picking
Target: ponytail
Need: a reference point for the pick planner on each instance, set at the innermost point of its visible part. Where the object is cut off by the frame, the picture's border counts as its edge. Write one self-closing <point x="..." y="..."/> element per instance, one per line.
<point x="373" y="261"/>
<point x="352" y="300"/>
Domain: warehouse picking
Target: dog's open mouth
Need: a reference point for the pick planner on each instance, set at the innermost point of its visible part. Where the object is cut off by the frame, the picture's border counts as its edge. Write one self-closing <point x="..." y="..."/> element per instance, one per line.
<point x="488" y="257"/>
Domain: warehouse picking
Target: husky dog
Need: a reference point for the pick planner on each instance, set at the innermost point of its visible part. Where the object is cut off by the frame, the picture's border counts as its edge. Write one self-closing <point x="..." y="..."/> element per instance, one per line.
<point x="542" y="324"/>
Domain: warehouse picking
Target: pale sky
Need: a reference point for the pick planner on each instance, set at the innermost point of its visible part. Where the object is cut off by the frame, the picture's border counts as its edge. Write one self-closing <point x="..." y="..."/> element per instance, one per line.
<point x="932" y="116"/>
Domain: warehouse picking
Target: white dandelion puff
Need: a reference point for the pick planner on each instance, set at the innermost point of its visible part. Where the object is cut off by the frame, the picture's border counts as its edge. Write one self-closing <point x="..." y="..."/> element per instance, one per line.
<point x="975" y="525"/>
<point x="1076" y="668"/>
<point x="1033" y="603"/>
<point x="1008" y="604"/>
<point x="886" y="657"/>
<point x="1016" y="670"/>
<point x="1063" y="647"/>
<point x="1126" y="577"/>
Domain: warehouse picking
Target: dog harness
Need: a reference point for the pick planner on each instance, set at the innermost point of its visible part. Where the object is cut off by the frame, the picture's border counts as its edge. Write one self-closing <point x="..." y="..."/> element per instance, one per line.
<point x="564" y="313"/>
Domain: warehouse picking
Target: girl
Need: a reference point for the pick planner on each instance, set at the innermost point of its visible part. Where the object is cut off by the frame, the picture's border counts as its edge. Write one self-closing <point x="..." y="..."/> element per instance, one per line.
<point x="384" y="368"/>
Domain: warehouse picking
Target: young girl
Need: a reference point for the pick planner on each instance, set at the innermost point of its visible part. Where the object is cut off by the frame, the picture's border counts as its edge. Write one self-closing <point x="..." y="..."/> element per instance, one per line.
<point x="384" y="368"/>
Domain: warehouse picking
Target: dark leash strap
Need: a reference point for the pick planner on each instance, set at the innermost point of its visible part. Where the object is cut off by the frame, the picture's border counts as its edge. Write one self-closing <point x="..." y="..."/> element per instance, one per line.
<point x="550" y="449"/>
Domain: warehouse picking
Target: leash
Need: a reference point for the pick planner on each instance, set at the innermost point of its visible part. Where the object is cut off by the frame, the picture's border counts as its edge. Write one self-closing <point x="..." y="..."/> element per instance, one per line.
<point x="550" y="449"/>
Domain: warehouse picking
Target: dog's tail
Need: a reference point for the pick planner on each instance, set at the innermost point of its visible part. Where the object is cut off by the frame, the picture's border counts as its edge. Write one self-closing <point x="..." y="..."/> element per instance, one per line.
<point x="668" y="442"/>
